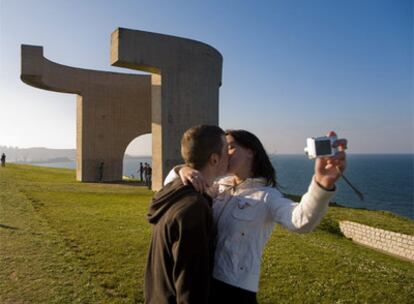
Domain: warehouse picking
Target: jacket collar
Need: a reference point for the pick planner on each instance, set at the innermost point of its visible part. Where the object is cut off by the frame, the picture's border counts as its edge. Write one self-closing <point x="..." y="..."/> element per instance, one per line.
<point x="251" y="182"/>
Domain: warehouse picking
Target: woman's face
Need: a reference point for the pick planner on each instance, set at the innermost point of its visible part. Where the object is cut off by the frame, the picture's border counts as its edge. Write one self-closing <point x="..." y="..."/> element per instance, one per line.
<point x="240" y="158"/>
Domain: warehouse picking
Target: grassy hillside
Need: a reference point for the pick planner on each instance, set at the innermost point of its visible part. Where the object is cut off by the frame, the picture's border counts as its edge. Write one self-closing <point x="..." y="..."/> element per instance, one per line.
<point x="67" y="242"/>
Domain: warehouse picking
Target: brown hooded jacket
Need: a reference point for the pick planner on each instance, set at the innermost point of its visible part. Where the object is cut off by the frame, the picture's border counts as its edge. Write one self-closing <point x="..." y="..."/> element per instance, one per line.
<point x="180" y="254"/>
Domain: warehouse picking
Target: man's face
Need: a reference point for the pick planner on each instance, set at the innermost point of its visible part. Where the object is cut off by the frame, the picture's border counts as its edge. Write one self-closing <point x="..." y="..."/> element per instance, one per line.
<point x="224" y="158"/>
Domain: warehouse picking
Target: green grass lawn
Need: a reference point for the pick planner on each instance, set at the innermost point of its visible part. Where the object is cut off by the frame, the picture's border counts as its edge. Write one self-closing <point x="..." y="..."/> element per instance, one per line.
<point x="67" y="242"/>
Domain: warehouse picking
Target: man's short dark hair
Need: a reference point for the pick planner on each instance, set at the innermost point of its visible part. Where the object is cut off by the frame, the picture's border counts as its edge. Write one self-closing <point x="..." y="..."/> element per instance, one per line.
<point x="199" y="143"/>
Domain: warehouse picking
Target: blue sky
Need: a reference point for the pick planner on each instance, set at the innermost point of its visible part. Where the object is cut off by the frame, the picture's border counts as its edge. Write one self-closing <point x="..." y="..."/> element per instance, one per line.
<point x="292" y="68"/>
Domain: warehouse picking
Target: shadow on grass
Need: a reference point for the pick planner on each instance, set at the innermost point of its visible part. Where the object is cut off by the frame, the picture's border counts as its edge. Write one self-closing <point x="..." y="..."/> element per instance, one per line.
<point x="132" y="183"/>
<point x="8" y="227"/>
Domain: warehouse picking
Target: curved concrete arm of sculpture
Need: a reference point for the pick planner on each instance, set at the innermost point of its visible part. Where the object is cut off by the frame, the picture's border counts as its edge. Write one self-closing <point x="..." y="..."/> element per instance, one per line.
<point x="39" y="72"/>
<point x="153" y="52"/>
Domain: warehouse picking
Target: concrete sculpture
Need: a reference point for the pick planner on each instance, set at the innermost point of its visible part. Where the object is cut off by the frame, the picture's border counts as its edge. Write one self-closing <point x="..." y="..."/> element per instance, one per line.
<point x="185" y="77"/>
<point x="112" y="110"/>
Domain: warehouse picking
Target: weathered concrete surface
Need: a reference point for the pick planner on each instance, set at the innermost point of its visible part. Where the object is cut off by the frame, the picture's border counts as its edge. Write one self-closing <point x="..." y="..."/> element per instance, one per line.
<point x="112" y="110"/>
<point x="186" y="77"/>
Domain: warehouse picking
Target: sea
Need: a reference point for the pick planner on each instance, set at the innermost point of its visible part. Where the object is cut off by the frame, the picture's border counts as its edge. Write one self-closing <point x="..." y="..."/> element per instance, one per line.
<point x="386" y="180"/>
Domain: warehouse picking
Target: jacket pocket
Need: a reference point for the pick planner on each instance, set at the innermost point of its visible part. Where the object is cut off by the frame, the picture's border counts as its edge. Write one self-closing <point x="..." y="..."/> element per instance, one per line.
<point x="245" y="210"/>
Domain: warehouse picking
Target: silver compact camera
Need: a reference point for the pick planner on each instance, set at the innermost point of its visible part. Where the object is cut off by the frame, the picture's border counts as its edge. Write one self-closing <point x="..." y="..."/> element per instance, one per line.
<point x="320" y="146"/>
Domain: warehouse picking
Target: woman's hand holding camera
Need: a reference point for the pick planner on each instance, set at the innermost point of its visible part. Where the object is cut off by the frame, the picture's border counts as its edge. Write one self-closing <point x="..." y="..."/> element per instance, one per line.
<point x="329" y="169"/>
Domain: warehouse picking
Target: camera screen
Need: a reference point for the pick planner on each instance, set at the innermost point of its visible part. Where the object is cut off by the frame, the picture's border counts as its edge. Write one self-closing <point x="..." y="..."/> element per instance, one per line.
<point x="323" y="147"/>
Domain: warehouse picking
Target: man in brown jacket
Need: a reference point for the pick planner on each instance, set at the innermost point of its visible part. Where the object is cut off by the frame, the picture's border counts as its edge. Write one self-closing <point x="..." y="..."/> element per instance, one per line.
<point x="180" y="254"/>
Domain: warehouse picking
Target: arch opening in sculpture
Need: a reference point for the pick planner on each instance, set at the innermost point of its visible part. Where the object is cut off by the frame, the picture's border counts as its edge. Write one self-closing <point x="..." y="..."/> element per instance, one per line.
<point x="138" y="150"/>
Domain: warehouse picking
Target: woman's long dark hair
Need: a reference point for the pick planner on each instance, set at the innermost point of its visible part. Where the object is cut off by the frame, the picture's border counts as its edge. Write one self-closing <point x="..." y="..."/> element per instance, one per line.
<point x="261" y="165"/>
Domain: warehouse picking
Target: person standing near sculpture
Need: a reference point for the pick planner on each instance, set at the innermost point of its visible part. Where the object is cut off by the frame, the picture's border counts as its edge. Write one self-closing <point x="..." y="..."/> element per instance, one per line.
<point x="3" y="160"/>
<point x="101" y="171"/>
<point x="141" y="172"/>
<point x="149" y="176"/>
<point x="180" y="255"/>
<point x="146" y="174"/>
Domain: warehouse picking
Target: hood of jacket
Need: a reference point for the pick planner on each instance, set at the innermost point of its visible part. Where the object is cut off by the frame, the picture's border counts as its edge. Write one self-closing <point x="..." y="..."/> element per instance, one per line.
<point x="166" y="197"/>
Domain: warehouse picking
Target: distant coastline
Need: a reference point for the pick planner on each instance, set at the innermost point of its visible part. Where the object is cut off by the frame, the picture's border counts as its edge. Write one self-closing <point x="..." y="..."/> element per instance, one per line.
<point x="48" y="155"/>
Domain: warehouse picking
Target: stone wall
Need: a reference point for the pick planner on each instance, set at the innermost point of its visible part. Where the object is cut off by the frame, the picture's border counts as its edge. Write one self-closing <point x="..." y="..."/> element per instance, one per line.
<point x="398" y="244"/>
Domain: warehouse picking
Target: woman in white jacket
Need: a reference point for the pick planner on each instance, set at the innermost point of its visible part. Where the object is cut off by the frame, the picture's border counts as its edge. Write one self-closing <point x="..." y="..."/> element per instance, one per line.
<point x="247" y="206"/>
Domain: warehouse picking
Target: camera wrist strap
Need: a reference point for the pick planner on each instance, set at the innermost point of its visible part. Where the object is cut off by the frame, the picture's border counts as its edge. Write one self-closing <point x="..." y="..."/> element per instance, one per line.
<point x="359" y="193"/>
